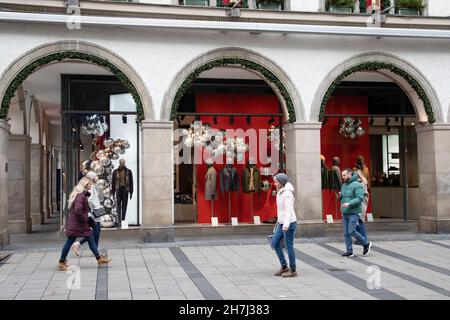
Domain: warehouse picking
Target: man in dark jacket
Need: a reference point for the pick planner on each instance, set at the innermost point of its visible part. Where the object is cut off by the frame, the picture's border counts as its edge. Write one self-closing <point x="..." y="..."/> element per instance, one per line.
<point x="122" y="186"/>
<point x="351" y="197"/>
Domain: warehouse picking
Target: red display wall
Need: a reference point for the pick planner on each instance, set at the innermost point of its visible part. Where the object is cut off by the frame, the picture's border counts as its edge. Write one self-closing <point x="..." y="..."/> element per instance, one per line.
<point x="264" y="204"/>
<point x="347" y="149"/>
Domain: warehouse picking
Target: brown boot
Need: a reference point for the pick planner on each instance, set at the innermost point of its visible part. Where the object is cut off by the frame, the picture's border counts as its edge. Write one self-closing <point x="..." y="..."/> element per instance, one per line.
<point x="103" y="259"/>
<point x="281" y="271"/>
<point x="289" y="274"/>
<point x="62" y="266"/>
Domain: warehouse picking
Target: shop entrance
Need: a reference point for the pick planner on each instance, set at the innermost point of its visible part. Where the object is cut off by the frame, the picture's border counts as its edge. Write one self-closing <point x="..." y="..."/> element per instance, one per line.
<point x="370" y="116"/>
<point x="248" y="116"/>
<point x="99" y="130"/>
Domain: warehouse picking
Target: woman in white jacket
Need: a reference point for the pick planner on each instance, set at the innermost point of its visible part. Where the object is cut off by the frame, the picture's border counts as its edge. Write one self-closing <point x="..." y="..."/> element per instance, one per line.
<point x="286" y="225"/>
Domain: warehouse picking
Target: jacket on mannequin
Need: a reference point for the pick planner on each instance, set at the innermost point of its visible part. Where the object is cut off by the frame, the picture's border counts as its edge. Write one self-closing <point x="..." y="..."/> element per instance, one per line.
<point x="324" y="173"/>
<point x="210" y="183"/>
<point x="335" y="175"/>
<point x="229" y="180"/>
<point x="251" y="179"/>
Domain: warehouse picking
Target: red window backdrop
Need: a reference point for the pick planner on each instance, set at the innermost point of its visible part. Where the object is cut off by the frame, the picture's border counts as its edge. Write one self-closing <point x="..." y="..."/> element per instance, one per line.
<point x="347" y="149"/>
<point x="264" y="204"/>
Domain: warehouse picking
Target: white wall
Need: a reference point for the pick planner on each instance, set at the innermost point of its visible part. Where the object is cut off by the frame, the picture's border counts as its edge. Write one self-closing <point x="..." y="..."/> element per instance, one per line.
<point x="304" y="5"/>
<point x="438" y="8"/>
<point x="307" y="59"/>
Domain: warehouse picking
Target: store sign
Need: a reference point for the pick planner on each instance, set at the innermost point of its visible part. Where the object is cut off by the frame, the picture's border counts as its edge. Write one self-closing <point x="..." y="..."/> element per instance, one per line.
<point x="330" y="218"/>
<point x="215" y="221"/>
<point x="256" y="220"/>
<point x="369" y="217"/>
<point x="234" y="221"/>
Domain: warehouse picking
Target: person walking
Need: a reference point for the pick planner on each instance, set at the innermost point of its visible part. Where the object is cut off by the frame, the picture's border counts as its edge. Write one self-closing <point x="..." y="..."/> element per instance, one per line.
<point x="94" y="204"/>
<point x="78" y="225"/>
<point x="351" y="197"/>
<point x="361" y="227"/>
<point x="285" y="226"/>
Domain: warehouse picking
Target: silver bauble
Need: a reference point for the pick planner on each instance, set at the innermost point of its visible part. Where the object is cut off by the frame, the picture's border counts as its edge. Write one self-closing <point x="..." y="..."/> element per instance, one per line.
<point x="122" y="151"/>
<point x="108" y="203"/>
<point x="107" y="192"/>
<point x="104" y="161"/>
<point x="99" y="170"/>
<point x="117" y="150"/>
<point x="107" y="221"/>
<point x="125" y="144"/>
<point x="115" y="156"/>
<point x="360" y="131"/>
<point x="93" y="164"/>
<point x="105" y="127"/>
<point x="108" y="143"/>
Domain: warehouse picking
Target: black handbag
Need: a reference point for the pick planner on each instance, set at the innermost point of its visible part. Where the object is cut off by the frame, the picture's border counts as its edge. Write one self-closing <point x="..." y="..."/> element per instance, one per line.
<point x="91" y="222"/>
<point x="97" y="213"/>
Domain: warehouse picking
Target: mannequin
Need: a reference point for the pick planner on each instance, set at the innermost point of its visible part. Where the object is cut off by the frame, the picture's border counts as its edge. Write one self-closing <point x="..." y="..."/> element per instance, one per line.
<point x="251" y="180"/>
<point x="210" y="184"/>
<point x="229" y="181"/>
<point x="335" y="179"/>
<point x="122" y="187"/>
<point x="324" y="172"/>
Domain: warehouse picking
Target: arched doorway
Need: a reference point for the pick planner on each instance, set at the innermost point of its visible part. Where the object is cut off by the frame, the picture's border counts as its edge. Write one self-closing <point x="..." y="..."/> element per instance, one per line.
<point x="52" y="117"/>
<point x="371" y="106"/>
<point x="229" y="90"/>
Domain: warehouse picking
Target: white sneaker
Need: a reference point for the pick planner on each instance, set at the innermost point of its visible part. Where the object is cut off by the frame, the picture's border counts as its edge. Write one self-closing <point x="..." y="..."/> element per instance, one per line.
<point x="76" y="248"/>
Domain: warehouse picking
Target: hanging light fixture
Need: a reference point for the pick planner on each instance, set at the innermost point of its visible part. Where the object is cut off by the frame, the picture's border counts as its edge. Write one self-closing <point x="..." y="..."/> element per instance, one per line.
<point x="371" y="121"/>
<point x="248" y="120"/>
<point x="215" y="120"/>
<point x="231" y="121"/>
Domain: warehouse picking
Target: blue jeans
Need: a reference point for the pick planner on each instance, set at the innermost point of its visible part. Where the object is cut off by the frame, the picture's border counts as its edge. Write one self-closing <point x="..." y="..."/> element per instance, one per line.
<point x="69" y="243"/>
<point x="289" y="243"/>
<point x="361" y="228"/>
<point x="349" y="224"/>
<point x="96" y="229"/>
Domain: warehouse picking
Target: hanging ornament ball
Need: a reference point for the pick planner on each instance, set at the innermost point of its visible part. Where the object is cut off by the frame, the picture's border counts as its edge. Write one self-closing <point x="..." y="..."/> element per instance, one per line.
<point x="104" y="161"/>
<point x="108" y="142"/>
<point x="93" y="164"/>
<point x="122" y="151"/>
<point x="105" y="127"/>
<point x="117" y="150"/>
<point x="93" y="156"/>
<point x="101" y="184"/>
<point x="99" y="169"/>
<point x="353" y="135"/>
<point x="125" y="144"/>
<point x="360" y="131"/>
<point x="108" y="203"/>
<point x="107" y="192"/>
<point x="115" y="156"/>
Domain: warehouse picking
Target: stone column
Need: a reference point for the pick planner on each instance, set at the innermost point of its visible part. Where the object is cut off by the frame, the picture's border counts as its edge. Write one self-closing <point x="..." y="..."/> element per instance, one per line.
<point x="303" y="169"/>
<point x="157" y="173"/>
<point x="19" y="184"/>
<point x="433" y="144"/>
<point x="44" y="184"/>
<point x="36" y="177"/>
<point x="4" y="150"/>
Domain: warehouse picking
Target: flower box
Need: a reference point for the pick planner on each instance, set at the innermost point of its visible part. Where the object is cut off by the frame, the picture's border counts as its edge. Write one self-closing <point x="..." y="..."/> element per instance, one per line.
<point x="269" y="6"/>
<point x="409" y="12"/>
<point x="334" y="9"/>
<point x="202" y="3"/>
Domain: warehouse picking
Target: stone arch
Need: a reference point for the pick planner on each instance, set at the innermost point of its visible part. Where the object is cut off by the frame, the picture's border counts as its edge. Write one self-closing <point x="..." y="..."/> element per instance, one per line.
<point x="48" y="53"/>
<point x="408" y="77"/>
<point x="273" y="74"/>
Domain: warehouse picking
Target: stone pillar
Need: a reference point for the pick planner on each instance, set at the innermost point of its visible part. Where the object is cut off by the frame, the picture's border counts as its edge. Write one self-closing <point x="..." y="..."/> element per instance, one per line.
<point x="434" y="177"/>
<point x="36" y="183"/>
<point x="44" y="184"/>
<point x="4" y="150"/>
<point x="303" y="169"/>
<point x="19" y="184"/>
<point x="157" y="173"/>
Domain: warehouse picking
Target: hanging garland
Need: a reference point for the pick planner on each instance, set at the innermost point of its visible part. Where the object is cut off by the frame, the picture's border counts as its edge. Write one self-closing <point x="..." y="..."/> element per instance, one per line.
<point x="376" y="66"/>
<point x="268" y="75"/>
<point x="71" y="55"/>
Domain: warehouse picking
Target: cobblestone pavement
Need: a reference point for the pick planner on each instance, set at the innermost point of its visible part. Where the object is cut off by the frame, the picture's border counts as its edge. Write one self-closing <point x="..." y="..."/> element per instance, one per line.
<point x="410" y="269"/>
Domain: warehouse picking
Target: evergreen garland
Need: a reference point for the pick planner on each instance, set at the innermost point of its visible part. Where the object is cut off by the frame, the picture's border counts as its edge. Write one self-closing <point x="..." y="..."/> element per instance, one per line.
<point x="376" y="66"/>
<point x="266" y="74"/>
<point x="69" y="55"/>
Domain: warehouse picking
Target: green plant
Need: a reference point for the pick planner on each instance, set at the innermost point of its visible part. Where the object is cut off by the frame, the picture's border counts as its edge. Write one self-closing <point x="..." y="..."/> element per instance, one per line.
<point x="270" y="1"/>
<point x="341" y="3"/>
<point x="410" y="4"/>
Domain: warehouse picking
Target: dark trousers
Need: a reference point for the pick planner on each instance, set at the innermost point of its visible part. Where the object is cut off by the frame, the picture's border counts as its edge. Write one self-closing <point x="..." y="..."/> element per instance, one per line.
<point x="96" y="229"/>
<point x="122" y="202"/>
<point x="69" y="243"/>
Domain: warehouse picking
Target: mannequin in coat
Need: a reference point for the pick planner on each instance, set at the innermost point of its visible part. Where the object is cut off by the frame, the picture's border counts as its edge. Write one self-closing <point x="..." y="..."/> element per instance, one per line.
<point x="210" y="183"/>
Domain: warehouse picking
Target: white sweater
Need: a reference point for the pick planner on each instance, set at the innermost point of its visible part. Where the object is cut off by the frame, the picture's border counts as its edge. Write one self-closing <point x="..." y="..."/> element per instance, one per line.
<point x="94" y="203"/>
<point x="285" y="205"/>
